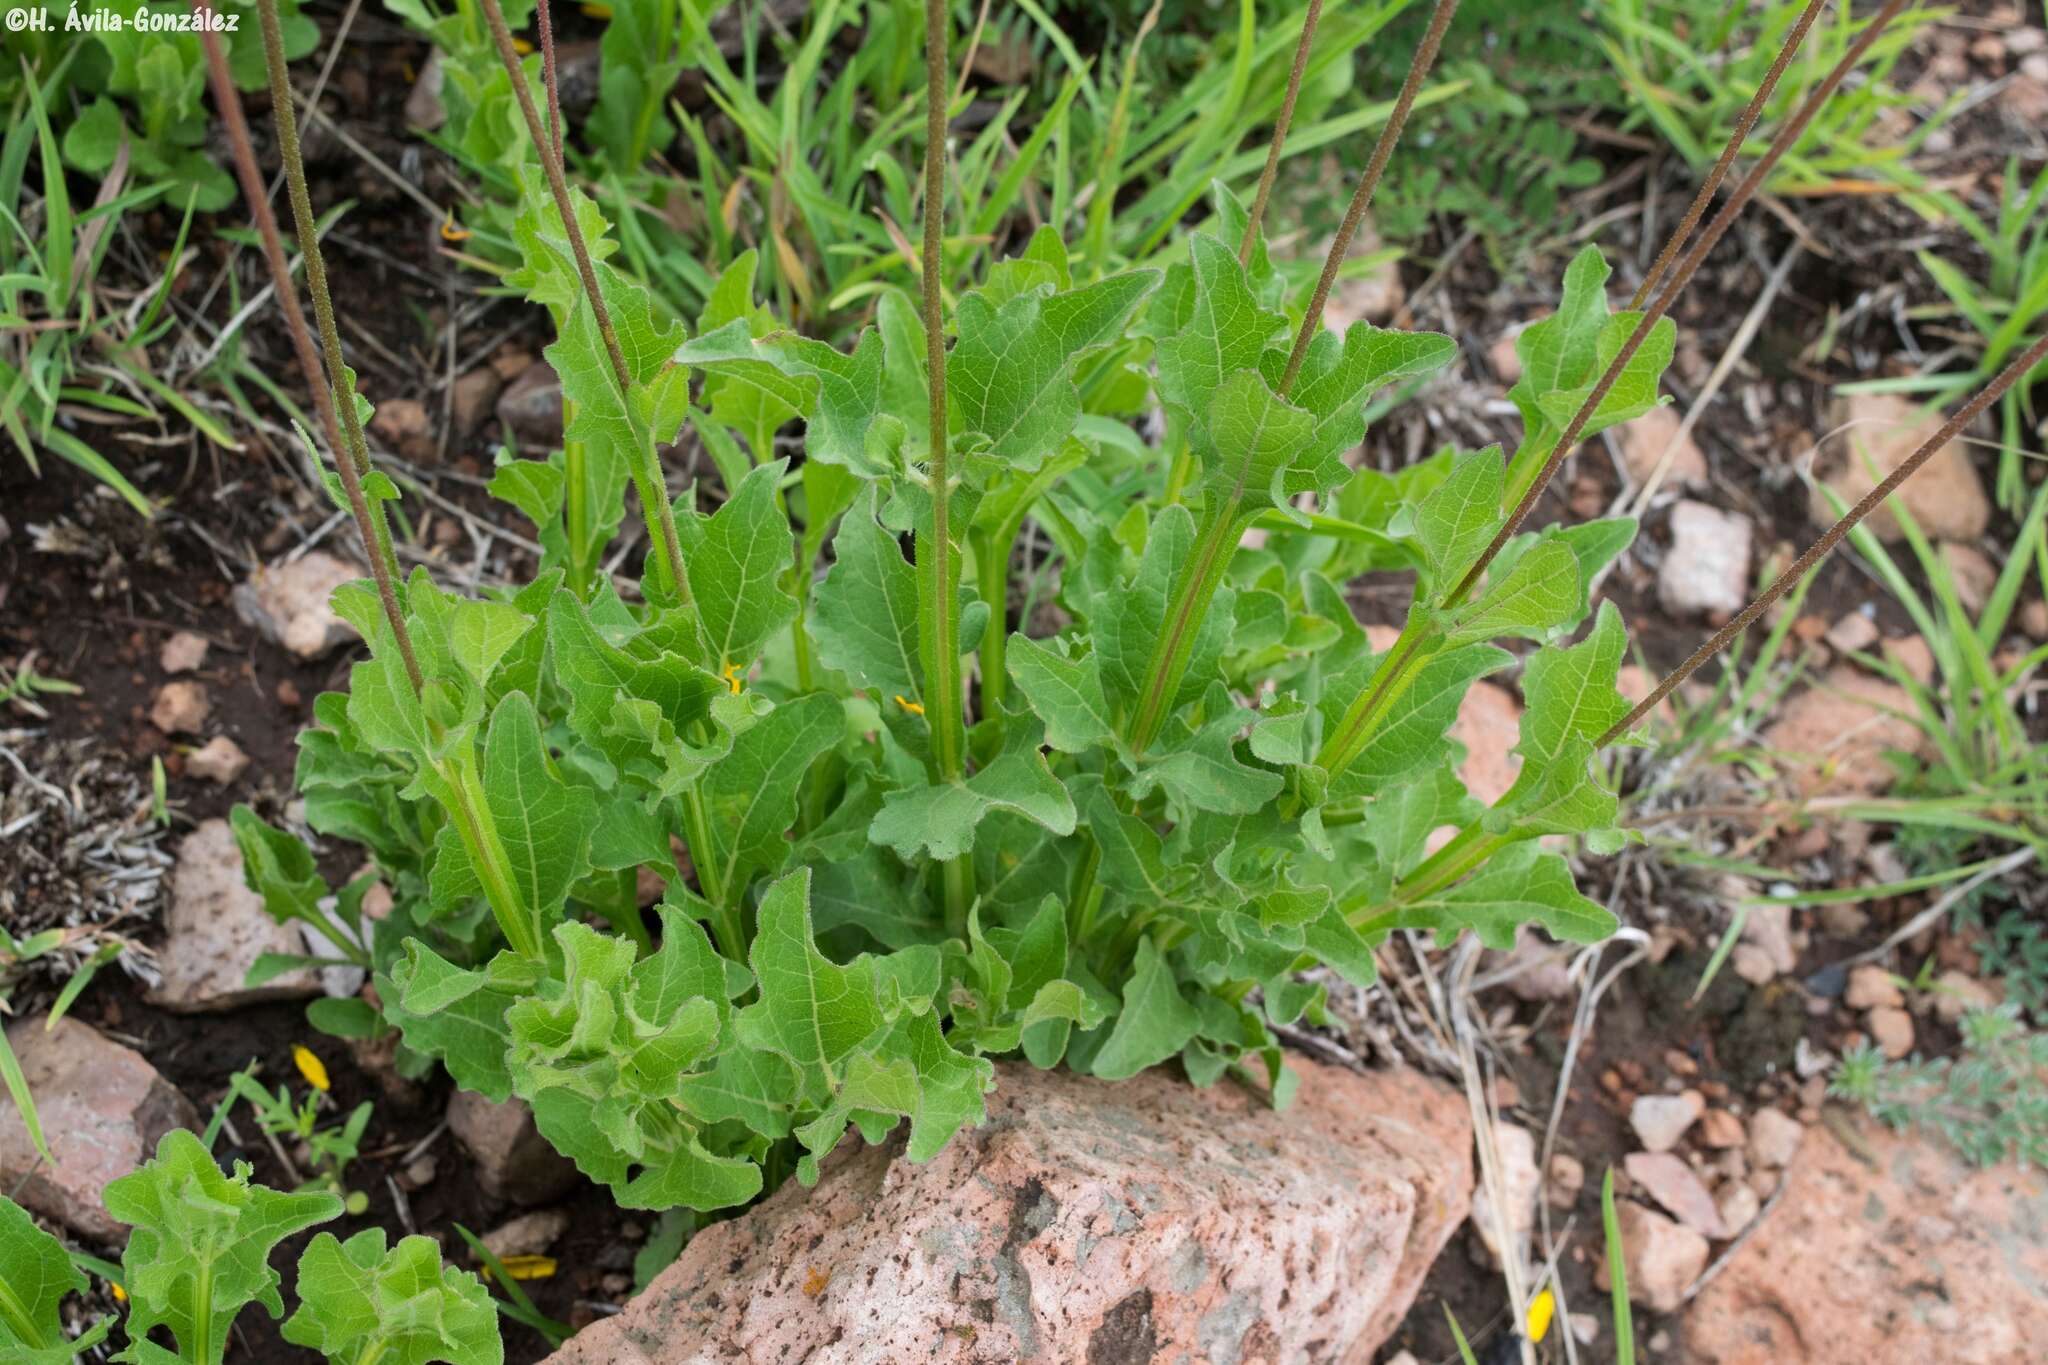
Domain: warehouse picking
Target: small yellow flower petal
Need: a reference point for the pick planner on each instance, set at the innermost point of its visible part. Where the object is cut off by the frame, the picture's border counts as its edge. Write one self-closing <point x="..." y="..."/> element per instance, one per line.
<point x="1542" y="1309"/>
<point x="527" y="1267"/>
<point x="732" y="677"/>
<point x="915" y="708"/>
<point x="522" y="47"/>
<point x="120" y="1294"/>
<point x="451" y="231"/>
<point x="312" y="1068"/>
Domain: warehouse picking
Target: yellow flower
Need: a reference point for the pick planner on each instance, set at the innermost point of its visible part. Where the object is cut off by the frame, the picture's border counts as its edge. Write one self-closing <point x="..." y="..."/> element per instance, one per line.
<point x="732" y="676"/>
<point x="451" y="231"/>
<point x="1542" y="1309"/>
<point x="120" y="1294"/>
<point x="527" y="1267"/>
<point x="915" y="708"/>
<point x="312" y="1068"/>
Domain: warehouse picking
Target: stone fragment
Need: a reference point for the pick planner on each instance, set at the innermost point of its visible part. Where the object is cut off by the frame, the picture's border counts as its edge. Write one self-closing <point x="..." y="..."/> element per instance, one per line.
<point x="1505" y="360"/>
<point x="1769" y="927"/>
<point x="1892" y="1030"/>
<point x="1752" y="964"/>
<point x="423" y="107"/>
<point x="404" y="425"/>
<point x="1541" y="969"/>
<point x="1720" y="1130"/>
<point x="182" y="653"/>
<point x="1084" y="1222"/>
<point x="1661" y="1257"/>
<point x="102" y="1108"/>
<point x="2033" y="619"/>
<point x="1834" y="735"/>
<point x="1672" y="1184"/>
<point x="1974" y="574"/>
<point x="1738" y="1206"/>
<point x="290" y="603"/>
<point x="1911" y="653"/>
<point x="530" y="408"/>
<point x="215" y="930"/>
<point x="513" y="1161"/>
<point x="1661" y="1120"/>
<point x="1567" y="1178"/>
<point x="1884" y="1248"/>
<point x="1853" y="632"/>
<point x="1774" y="1138"/>
<point x="530" y="1234"/>
<point x="1521" y="1183"/>
<point x="1871" y="987"/>
<point x="1644" y="441"/>
<point x="219" y="760"/>
<point x="1957" y="993"/>
<point x="1945" y="497"/>
<point x="472" y="397"/>
<point x="1706" y="570"/>
<point x="181" y="708"/>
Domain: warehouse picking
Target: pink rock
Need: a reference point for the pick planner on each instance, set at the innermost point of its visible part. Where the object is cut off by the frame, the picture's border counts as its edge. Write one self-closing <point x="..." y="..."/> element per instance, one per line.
<point x="1975" y="575"/>
<point x="1672" y="1184"/>
<point x="513" y="1161"/>
<point x="1853" y="632"/>
<point x="219" y="760"/>
<point x="1489" y="724"/>
<point x="1871" y="987"/>
<point x="1945" y="496"/>
<point x="180" y="708"/>
<point x="530" y="408"/>
<point x="1707" y="568"/>
<point x="1888" y="1251"/>
<point x="290" y="603"/>
<point x="1086" y="1221"/>
<point x="1661" y="1120"/>
<point x="217" y="929"/>
<point x="1892" y="1030"/>
<point x="1834" y="735"/>
<point x="102" y="1106"/>
<point x="470" y="401"/>
<point x="1644" y="441"/>
<point x="1521" y="1184"/>
<point x="182" y="653"/>
<point x="1774" y="1138"/>
<point x="1661" y="1258"/>
<point x="1769" y="927"/>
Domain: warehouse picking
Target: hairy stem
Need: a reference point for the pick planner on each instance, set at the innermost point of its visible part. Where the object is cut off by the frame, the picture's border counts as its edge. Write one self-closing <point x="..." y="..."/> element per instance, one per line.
<point x="1743" y="124"/>
<point x="1273" y="149"/>
<point x="1361" y="199"/>
<point x="1681" y="276"/>
<point x="352" y="459"/>
<point x="548" y="78"/>
<point x="1815" y="552"/>
<point x="652" y="487"/>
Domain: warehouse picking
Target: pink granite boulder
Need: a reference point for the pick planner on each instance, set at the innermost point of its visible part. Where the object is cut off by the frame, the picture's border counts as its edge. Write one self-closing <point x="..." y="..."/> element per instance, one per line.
<point x="1086" y="1221"/>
